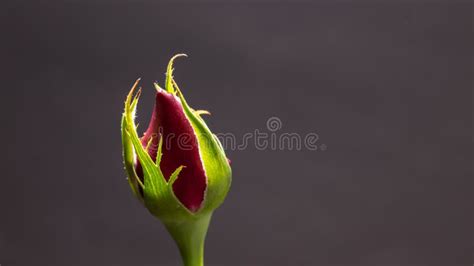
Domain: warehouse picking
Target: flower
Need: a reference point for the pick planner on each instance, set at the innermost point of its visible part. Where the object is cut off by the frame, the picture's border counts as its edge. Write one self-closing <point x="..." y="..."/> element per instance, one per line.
<point x="178" y="169"/>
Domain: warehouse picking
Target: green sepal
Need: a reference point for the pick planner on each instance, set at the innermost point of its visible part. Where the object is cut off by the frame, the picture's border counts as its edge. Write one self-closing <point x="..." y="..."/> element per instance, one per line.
<point x="128" y="159"/>
<point x="156" y="194"/>
<point x="216" y="165"/>
<point x="169" y="74"/>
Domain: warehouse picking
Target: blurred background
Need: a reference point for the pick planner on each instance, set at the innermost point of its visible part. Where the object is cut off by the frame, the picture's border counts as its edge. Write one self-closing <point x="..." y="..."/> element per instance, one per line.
<point x="387" y="86"/>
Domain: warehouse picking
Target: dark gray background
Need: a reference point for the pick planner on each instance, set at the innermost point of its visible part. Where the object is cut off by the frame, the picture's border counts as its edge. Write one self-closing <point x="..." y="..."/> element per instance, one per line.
<point x="386" y="85"/>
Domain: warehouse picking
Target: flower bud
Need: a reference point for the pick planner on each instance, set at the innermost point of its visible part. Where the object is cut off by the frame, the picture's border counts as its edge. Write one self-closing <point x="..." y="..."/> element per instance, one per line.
<point x="178" y="169"/>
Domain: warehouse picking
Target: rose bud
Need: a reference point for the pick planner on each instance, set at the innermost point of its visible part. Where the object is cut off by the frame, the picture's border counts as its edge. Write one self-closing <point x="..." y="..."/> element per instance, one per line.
<point x="178" y="169"/>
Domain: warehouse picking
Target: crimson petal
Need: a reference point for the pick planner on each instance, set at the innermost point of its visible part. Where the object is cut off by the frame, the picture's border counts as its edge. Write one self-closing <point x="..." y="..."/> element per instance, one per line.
<point x="180" y="147"/>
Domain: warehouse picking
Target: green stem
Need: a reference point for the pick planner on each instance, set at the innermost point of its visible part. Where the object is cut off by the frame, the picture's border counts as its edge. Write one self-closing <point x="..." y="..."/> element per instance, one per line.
<point x="189" y="236"/>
